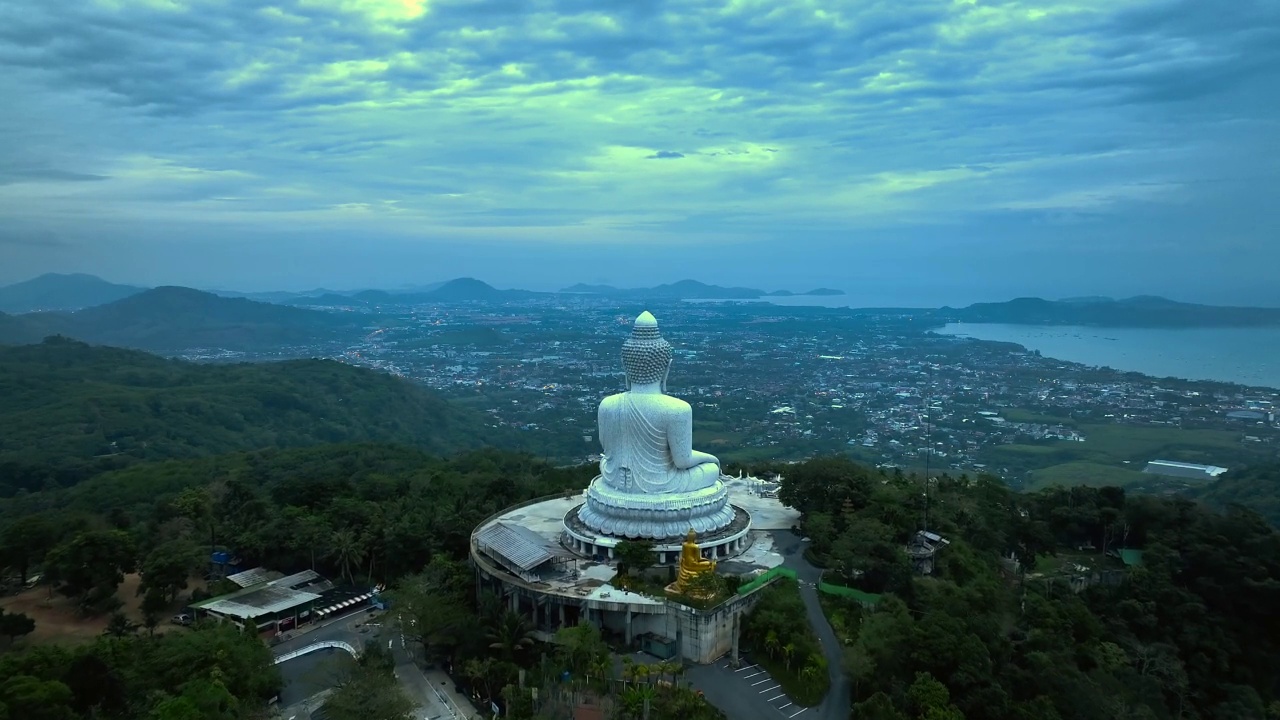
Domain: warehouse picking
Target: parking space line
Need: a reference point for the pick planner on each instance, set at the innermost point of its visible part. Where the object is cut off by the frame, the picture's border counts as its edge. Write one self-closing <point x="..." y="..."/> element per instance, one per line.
<point x="749" y="667"/>
<point x="753" y="675"/>
<point x="797" y="713"/>
<point x="775" y="687"/>
<point x="775" y="697"/>
<point x="761" y="682"/>
<point x="784" y="707"/>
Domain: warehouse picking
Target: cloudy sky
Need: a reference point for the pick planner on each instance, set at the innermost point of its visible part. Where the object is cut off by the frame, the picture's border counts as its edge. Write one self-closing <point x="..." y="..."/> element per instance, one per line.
<point x="906" y="151"/>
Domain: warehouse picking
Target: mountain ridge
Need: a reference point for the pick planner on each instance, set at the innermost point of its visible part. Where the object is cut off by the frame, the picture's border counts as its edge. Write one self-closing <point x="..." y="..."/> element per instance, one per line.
<point x="1138" y="311"/>
<point x="57" y="292"/>
<point x="171" y="319"/>
<point x="689" y="290"/>
<point x="72" y="410"/>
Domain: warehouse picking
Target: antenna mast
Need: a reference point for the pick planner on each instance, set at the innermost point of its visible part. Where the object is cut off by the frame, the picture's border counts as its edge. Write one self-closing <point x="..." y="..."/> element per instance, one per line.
<point x="928" y="441"/>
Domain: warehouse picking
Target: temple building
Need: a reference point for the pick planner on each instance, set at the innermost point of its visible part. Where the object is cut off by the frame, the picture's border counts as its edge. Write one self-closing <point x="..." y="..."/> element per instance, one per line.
<point x="553" y="559"/>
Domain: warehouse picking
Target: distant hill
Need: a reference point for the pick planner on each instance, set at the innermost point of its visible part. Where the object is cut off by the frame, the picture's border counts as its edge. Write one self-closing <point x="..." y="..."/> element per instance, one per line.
<point x="20" y="329"/>
<point x="453" y="291"/>
<point x="325" y="300"/>
<point x="1257" y="488"/>
<point x="1087" y="299"/>
<point x="812" y="293"/>
<point x="682" y="290"/>
<point x="61" y="292"/>
<point x="174" y="319"/>
<point x="71" y="410"/>
<point x="467" y="290"/>
<point x="688" y="290"/>
<point x="1141" y="311"/>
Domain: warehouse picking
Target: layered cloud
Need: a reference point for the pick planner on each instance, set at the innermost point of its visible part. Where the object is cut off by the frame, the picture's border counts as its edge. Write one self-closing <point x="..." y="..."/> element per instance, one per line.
<point x="547" y="126"/>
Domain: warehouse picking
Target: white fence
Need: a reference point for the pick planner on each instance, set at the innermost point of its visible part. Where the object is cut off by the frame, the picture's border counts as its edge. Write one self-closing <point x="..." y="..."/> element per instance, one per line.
<point x="322" y="645"/>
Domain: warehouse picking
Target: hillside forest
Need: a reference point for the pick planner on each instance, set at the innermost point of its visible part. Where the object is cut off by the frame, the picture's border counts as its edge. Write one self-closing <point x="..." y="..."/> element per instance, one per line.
<point x="1065" y="603"/>
<point x="72" y="411"/>
<point x="1027" y="614"/>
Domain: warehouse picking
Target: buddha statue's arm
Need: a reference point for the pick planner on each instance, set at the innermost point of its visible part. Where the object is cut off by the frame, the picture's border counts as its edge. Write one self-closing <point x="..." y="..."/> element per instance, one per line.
<point x="680" y="443"/>
<point x="604" y="426"/>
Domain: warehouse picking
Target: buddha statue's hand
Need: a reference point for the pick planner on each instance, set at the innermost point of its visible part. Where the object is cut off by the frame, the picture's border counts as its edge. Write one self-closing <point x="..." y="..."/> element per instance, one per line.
<point x="704" y="458"/>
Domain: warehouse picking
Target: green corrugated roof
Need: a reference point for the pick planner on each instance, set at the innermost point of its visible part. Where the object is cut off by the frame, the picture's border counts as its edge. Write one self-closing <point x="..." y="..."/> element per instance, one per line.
<point x="1131" y="558"/>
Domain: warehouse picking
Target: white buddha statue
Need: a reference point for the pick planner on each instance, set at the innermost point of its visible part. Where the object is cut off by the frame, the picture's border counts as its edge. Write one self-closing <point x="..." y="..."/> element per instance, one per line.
<point x="652" y="483"/>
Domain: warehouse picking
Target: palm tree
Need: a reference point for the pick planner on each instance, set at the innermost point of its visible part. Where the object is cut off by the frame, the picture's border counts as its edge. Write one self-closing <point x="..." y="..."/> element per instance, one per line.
<point x="672" y="668"/>
<point x="489" y="607"/>
<point x="480" y="672"/>
<point x="788" y="651"/>
<point x="635" y="698"/>
<point x="346" y="551"/>
<point x="601" y="667"/>
<point x="813" y="669"/>
<point x="771" y="643"/>
<point x="512" y="634"/>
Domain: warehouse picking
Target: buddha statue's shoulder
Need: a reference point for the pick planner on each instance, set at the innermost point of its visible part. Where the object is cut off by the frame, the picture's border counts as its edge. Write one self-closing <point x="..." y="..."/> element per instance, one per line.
<point x="612" y="401"/>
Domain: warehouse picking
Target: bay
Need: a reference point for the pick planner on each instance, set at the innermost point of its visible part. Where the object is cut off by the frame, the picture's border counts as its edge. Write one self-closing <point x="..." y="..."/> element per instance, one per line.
<point x="1249" y="356"/>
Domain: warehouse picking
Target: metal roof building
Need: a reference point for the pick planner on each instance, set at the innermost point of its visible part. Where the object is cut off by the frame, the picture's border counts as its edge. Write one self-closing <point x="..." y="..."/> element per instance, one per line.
<point x="256" y="576"/>
<point x="266" y="600"/>
<point x="517" y="548"/>
<point x="1169" y="468"/>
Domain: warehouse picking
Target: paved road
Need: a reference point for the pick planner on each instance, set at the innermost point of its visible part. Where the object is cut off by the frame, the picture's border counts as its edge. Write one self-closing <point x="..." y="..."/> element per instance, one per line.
<point x="836" y="705"/>
<point x="310" y="674"/>
<point x="317" y="671"/>
<point x="432" y="690"/>
<point x="747" y="692"/>
<point x="352" y="629"/>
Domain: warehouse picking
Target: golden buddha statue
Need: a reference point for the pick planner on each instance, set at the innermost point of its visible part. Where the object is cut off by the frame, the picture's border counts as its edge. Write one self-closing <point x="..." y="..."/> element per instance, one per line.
<point x="692" y="563"/>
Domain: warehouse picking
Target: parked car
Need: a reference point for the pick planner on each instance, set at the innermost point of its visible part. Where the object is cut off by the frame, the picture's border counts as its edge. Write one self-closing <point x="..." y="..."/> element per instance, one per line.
<point x="181" y="619"/>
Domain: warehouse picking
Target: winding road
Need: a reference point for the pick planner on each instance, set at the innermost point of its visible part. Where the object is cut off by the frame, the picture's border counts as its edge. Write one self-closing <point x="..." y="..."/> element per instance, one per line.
<point x="836" y="704"/>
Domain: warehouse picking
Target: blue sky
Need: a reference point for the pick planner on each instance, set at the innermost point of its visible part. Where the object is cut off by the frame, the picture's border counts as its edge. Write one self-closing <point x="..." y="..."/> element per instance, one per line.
<point x="905" y="151"/>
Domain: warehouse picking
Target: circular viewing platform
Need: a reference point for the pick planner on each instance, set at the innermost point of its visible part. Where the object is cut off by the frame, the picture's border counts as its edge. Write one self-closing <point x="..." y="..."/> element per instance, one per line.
<point x="726" y="542"/>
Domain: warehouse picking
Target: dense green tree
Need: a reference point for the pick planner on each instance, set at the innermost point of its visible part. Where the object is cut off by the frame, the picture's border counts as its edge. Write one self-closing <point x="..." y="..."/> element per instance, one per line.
<point x="27" y="539"/>
<point x="635" y="556"/>
<point x="73" y="411"/>
<point x="168" y="567"/>
<point x="1072" y="633"/>
<point x="581" y="647"/>
<point x="91" y="565"/>
<point x="31" y="698"/>
<point x="369" y="690"/>
<point x="15" y="625"/>
<point x="153" y="607"/>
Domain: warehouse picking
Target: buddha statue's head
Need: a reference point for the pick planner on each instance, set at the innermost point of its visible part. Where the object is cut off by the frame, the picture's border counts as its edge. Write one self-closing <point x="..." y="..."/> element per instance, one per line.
<point x="646" y="356"/>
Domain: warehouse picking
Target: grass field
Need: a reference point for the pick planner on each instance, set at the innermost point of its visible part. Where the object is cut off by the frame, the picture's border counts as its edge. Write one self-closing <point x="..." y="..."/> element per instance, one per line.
<point x="1084" y="473"/>
<point x="1056" y="448"/>
<point x="1131" y="442"/>
<point x="1112" y="454"/>
<point x="715" y="437"/>
<point x="1027" y="416"/>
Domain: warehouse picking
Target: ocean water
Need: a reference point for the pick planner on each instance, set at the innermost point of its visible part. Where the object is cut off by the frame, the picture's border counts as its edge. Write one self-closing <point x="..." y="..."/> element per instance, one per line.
<point x="1249" y="356"/>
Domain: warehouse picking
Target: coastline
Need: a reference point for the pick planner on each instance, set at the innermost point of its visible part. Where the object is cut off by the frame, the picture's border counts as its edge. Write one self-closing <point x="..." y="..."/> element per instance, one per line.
<point x="1238" y="357"/>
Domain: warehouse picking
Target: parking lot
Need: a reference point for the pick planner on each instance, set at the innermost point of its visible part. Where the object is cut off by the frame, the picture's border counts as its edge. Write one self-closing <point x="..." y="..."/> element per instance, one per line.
<point x="762" y="684"/>
<point x="745" y="692"/>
